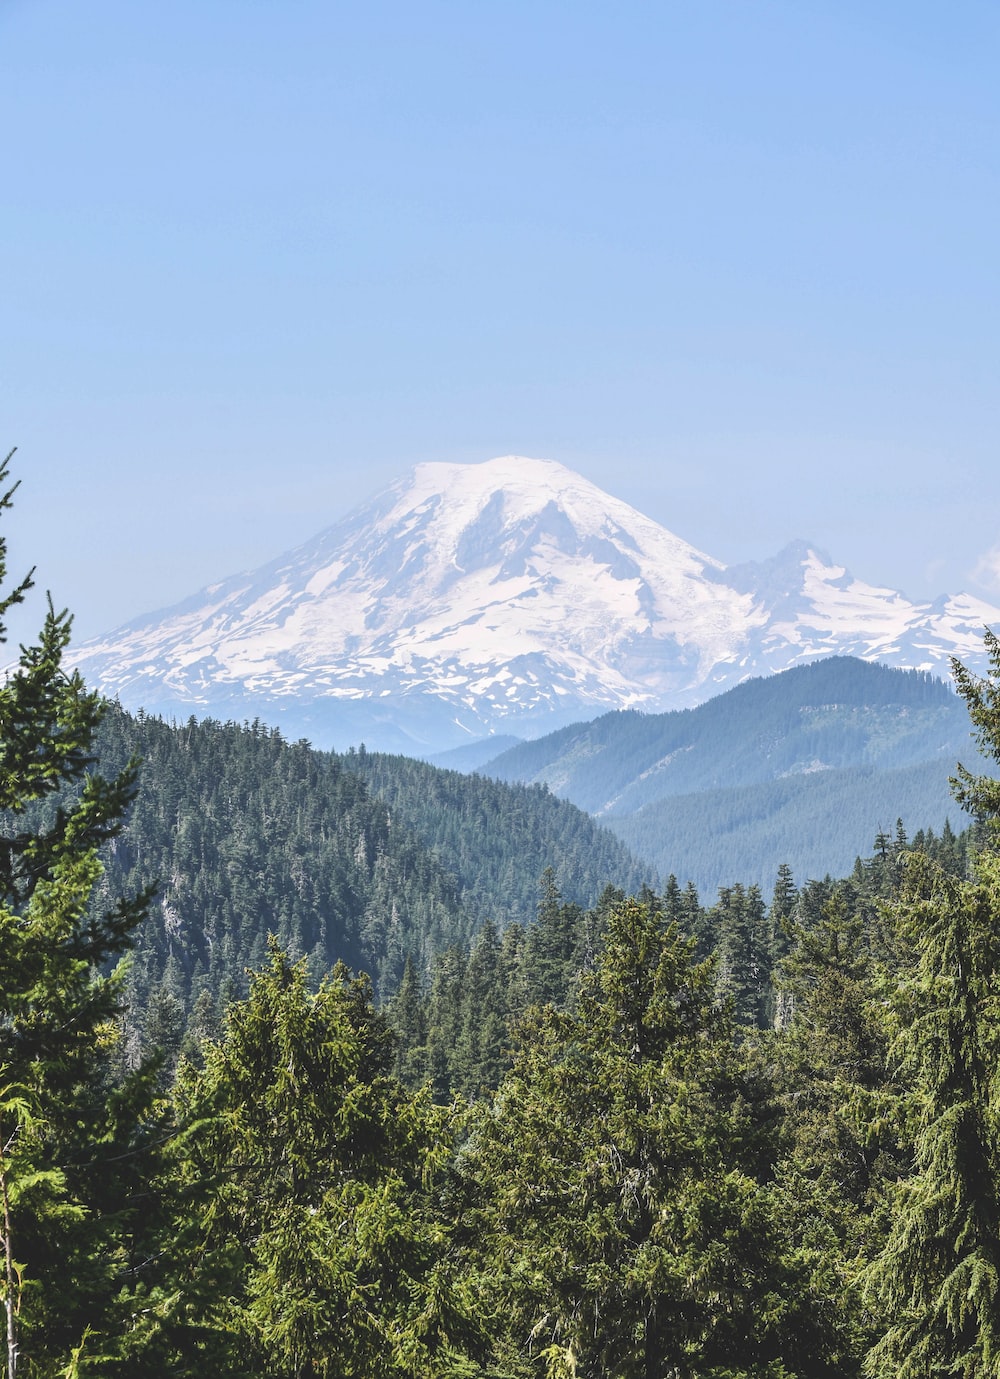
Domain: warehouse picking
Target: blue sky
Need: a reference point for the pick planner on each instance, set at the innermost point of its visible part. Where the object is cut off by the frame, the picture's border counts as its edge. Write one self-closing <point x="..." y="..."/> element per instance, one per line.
<point x="735" y="262"/>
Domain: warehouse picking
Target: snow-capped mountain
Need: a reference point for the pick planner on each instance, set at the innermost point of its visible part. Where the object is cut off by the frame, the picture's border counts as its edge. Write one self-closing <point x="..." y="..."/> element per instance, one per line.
<point x="814" y="608"/>
<point x="507" y="596"/>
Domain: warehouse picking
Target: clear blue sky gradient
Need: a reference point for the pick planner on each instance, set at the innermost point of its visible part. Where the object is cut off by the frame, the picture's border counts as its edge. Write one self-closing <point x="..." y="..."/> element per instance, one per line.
<point x="735" y="262"/>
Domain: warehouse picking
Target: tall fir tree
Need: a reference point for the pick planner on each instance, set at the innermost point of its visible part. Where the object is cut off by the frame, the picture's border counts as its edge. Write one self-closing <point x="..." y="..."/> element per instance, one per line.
<point x="744" y="954"/>
<point x="622" y="1227"/>
<point x="309" y="1249"/>
<point x="980" y="795"/>
<point x="938" y="1275"/>
<point x="65" y="1132"/>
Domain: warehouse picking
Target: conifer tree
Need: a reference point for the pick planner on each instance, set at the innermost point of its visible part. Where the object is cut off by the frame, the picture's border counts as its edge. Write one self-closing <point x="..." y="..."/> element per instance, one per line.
<point x="553" y="957"/>
<point x="784" y="897"/>
<point x="831" y="1050"/>
<point x="311" y="1250"/>
<point x="781" y="912"/>
<point x="980" y="795"/>
<point x="622" y="1230"/>
<point x="479" y="1053"/>
<point x="744" y="953"/>
<point x="938" y="1275"/>
<point x="58" y="1003"/>
<point x="408" y="1016"/>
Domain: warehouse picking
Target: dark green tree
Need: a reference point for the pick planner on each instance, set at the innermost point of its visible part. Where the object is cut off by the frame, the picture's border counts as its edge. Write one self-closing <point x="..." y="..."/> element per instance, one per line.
<point x="480" y="1060"/>
<point x="938" y="1275"/>
<point x="312" y="1250"/>
<point x="744" y="953"/>
<point x="785" y="895"/>
<point x="554" y="954"/>
<point x="980" y="795"/>
<point x="839" y="1132"/>
<point x="407" y="1013"/>
<point x="622" y="1227"/>
<point x="66" y="1210"/>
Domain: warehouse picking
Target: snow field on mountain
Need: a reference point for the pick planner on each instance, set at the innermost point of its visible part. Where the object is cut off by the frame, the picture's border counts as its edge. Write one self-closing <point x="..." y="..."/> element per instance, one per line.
<point x="490" y="597"/>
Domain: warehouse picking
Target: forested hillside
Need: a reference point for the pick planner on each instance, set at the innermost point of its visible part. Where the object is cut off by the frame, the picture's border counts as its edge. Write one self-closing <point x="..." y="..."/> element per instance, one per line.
<point x="817" y="823"/>
<point x="837" y="712"/>
<point x="474" y="754"/>
<point x="497" y="839"/>
<point x="243" y="835"/>
<point x="643" y="1137"/>
<point x="453" y="1027"/>
<point x="803" y="767"/>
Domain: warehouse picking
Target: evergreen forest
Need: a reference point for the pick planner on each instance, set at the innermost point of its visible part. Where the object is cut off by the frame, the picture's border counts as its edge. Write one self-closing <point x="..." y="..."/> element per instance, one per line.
<point x="338" y="1106"/>
<point x="802" y="768"/>
<point x="369" y="860"/>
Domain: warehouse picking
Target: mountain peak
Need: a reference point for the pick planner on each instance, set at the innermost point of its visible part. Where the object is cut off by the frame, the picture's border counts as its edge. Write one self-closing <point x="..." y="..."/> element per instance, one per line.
<point x="509" y="595"/>
<point x="504" y="471"/>
<point x="525" y="482"/>
<point x="514" y="488"/>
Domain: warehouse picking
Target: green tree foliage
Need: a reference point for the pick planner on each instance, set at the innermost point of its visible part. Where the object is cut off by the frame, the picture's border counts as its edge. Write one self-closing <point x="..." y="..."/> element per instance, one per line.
<point x="69" y="1140"/>
<point x="839" y="1134"/>
<point x="817" y="821"/>
<point x="308" y="1164"/>
<point x="950" y="850"/>
<point x="980" y="794"/>
<point x="783" y="898"/>
<point x="837" y="712"/>
<point x="556" y="945"/>
<point x="832" y="1043"/>
<point x="745" y="953"/>
<point x="498" y="839"/>
<point x="246" y="834"/>
<point x="938" y="1275"/>
<point x="456" y="1033"/>
<point x="727" y="1141"/>
<point x="622" y="1224"/>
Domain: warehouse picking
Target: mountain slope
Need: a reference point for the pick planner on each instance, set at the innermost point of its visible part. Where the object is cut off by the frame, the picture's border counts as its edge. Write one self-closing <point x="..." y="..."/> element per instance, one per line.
<point x="803" y="767"/>
<point x="244" y="834"/>
<point x="834" y="713"/>
<point x="817" y="824"/>
<point x="508" y="596"/>
<point x="497" y="839"/>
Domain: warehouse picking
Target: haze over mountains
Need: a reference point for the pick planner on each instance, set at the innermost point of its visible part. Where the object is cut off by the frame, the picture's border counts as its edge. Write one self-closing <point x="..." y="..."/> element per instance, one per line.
<point x="508" y="597"/>
<point x="805" y="767"/>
